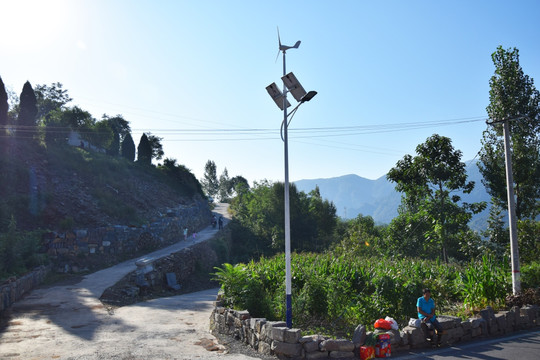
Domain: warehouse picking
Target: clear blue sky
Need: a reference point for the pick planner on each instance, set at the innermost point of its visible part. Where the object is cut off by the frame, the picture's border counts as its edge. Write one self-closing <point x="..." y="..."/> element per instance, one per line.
<point x="195" y="72"/>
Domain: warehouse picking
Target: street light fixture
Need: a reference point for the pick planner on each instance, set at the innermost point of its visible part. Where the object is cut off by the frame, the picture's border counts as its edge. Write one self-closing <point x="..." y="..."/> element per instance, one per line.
<point x="292" y="85"/>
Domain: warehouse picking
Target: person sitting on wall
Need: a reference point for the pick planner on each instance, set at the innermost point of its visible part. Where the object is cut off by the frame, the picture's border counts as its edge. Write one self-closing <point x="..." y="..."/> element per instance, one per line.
<point x="426" y="313"/>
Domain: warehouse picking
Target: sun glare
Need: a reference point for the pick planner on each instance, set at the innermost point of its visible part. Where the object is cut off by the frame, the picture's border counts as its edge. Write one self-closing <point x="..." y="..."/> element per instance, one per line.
<point x="29" y="25"/>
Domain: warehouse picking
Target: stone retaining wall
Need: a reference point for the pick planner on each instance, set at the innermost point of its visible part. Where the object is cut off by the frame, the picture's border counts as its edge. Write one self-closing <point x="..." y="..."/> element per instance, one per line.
<point x="14" y="289"/>
<point x="274" y="338"/>
<point x="72" y="251"/>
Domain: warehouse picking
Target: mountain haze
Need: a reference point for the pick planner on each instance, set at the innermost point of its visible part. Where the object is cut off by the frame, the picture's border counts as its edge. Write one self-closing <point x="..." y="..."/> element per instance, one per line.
<point x="353" y="195"/>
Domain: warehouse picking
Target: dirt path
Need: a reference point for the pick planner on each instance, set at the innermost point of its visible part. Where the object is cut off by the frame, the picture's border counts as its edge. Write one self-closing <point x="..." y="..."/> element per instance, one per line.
<point x="69" y="321"/>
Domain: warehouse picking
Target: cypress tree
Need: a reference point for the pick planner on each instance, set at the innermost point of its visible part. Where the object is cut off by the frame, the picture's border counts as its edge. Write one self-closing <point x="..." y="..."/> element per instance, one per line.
<point x="144" y="151"/>
<point x="128" y="148"/>
<point x="4" y="107"/>
<point x="27" y="112"/>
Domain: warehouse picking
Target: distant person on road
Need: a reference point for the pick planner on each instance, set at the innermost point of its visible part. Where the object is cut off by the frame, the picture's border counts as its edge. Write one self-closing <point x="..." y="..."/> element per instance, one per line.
<point x="194" y="237"/>
<point x="220" y="222"/>
<point x="426" y="313"/>
<point x="185" y="233"/>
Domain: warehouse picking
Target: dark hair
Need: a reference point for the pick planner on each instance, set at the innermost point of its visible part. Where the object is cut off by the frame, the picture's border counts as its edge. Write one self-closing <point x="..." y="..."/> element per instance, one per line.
<point x="426" y="290"/>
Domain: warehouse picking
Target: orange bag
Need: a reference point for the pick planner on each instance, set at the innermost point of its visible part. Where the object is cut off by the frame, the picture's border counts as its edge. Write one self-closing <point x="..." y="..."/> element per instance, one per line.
<point x="383" y="324"/>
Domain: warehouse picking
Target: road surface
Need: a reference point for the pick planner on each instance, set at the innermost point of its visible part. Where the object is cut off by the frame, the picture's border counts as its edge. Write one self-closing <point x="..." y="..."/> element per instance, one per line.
<point x="69" y="321"/>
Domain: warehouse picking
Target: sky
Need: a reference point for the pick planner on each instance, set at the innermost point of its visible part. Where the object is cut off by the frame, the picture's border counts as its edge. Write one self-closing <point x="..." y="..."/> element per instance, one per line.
<point x="388" y="74"/>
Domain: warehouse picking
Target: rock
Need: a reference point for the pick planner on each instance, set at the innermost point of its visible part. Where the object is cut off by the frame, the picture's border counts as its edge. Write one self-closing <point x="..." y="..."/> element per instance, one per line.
<point x="341" y="345"/>
<point x="359" y="336"/>
<point x="416" y="336"/>
<point x="341" y="354"/>
<point x="290" y="350"/>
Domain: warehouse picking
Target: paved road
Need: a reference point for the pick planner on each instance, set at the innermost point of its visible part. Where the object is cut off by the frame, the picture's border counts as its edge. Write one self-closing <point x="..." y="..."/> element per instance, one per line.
<point x="522" y="346"/>
<point x="69" y="321"/>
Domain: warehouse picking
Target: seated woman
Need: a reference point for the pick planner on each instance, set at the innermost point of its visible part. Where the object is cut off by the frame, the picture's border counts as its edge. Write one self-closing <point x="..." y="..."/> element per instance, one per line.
<point x="426" y="313"/>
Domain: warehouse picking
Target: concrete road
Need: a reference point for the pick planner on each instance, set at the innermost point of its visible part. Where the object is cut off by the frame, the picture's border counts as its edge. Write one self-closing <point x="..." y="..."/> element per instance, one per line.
<point x="69" y="321"/>
<point x="523" y="346"/>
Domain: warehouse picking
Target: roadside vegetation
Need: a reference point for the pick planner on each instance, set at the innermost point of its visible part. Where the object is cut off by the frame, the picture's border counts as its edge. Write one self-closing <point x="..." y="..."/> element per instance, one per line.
<point x="99" y="179"/>
<point x="350" y="272"/>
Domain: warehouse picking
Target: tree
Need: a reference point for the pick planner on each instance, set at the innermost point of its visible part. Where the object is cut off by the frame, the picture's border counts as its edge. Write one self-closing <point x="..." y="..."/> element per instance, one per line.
<point x="225" y="186"/>
<point x="427" y="180"/>
<point x="4" y="108"/>
<point x="128" y="148"/>
<point x="155" y="146"/>
<point x="50" y="98"/>
<point x="27" y="111"/>
<point x="59" y="122"/>
<point x="144" y="151"/>
<point x="120" y="128"/>
<point x="210" y="183"/>
<point x="512" y="96"/>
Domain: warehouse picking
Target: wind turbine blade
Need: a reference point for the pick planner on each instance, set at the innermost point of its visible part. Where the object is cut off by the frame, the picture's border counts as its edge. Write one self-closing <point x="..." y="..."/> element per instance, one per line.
<point x="277" y="56"/>
<point x="297" y="44"/>
<point x="279" y="39"/>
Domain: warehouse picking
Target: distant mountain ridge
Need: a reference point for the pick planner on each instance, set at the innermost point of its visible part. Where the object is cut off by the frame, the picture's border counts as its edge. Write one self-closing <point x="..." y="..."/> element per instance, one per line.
<point x="353" y="195"/>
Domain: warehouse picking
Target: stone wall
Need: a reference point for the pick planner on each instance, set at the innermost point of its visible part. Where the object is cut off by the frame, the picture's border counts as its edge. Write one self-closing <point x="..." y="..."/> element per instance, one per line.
<point x="76" y="250"/>
<point x="274" y="338"/>
<point x="14" y="289"/>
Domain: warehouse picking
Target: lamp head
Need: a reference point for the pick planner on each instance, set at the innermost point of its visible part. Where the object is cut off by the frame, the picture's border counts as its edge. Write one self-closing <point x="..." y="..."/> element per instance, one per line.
<point x="310" y="95"/>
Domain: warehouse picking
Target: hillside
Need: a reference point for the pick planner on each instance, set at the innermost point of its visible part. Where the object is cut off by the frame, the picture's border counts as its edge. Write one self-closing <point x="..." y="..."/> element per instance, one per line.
<point x="355" y="195"/>
<point x="61" y="187"/>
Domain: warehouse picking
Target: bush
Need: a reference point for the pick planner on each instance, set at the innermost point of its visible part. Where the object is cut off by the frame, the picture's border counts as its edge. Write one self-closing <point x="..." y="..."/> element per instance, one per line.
<point x="530" y="275"/>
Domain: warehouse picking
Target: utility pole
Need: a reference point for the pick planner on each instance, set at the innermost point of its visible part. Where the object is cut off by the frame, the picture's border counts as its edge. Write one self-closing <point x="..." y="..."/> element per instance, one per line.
<point x="514" y="251"/>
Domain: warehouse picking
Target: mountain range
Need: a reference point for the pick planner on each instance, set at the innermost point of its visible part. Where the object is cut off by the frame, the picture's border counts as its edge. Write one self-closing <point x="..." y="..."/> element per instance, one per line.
<point x="353" y="195"/>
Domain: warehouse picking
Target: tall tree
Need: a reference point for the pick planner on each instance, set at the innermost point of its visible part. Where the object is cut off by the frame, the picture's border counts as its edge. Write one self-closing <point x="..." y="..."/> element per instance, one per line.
<point x="144" y="151"/>
<point x="156" y="146"/>
<point x="50" y="98"/>
<point x="4" y="108"/>
<point x="59" y="123"/>
<point x="512" y="95"/>
<point x="210" y="183"/>
<point x="427" y="180"/>
<point x="27" y="111"/>
<point x="120" y="128"/>
<point x="225" y="186"/>
<point x="128" y="148"/>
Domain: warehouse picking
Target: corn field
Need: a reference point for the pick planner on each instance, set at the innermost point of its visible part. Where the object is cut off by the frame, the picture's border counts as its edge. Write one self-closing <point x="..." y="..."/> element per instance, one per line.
<point x="333" y="294"/>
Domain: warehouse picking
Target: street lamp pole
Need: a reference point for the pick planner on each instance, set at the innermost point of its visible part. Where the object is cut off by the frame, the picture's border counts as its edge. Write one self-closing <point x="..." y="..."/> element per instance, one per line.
<point x="288" y="286"/>
<point x="290" y="84"/>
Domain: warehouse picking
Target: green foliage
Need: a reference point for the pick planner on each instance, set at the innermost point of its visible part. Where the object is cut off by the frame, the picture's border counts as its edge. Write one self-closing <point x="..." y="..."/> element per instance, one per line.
<point x="26" y="121"/>
<point x="344" y="290"/>
<point x="258" y="228"/>
<point x="210" y="182"/>
<point x="484" y="283"/>
<point x="429" y="182"/>
<point x="128" y="148"/>
<point x="59" y="122"/>
<point x="120" y="129"/>
<point x="180" y="177"/>
<point x="19" y="251"/>
<point x="50" y="98"/>
<point x="4" y="108"/>
<point x="144" y="151"/>
<point x="528" y="240"/>
<point x="156" y="147"/>
<point x="530" y="275"/>
<point x="512" y="96"/>
<point x="225" y="186"/>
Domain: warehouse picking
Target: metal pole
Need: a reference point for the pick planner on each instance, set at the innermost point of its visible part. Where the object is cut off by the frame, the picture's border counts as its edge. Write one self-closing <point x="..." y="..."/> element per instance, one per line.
<point x="288" y="286"/>
<point x="514" y="252"/>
